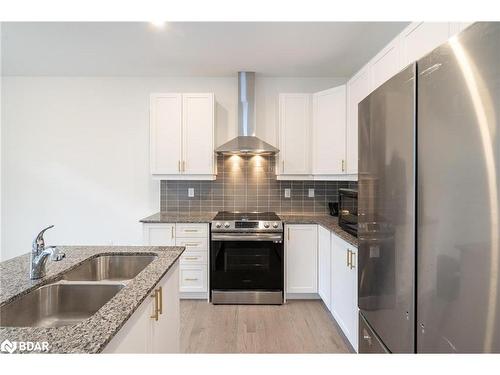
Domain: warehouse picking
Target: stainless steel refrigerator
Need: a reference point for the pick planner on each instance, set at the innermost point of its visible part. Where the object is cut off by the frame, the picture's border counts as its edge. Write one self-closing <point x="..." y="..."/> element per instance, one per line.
<point x="429" y="211"/>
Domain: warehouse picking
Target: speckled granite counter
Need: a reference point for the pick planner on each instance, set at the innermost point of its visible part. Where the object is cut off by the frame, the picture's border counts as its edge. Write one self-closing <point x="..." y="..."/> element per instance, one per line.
<point x="167" y="217"/>
<point x="326" y="221"/>
<point x="94" y="333"/>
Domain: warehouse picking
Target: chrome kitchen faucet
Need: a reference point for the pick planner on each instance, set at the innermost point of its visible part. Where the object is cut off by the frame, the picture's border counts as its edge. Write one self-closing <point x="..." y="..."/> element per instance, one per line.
<point x="40" y="254"/>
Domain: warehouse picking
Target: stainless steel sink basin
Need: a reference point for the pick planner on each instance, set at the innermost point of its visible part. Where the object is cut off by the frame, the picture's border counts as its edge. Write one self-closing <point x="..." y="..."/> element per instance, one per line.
<point x="109" y="268"/>
<point x="56" y="305"/>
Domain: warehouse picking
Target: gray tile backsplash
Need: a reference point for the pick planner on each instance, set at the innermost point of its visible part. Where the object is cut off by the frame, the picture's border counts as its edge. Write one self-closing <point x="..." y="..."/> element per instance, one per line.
<point x="248" y="183"/>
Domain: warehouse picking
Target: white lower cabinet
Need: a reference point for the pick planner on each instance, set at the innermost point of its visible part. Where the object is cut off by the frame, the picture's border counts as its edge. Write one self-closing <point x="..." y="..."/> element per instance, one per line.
<point x="193" y="279"/>
<point x="158" y="234"/>
<point x="301" y="253"/>
<point x="154" y="326"/>
<point x="324" y="266"/>
<point x="344" y="289"/>
<point x="318" y="262"/>
<point x="193" y="273"/>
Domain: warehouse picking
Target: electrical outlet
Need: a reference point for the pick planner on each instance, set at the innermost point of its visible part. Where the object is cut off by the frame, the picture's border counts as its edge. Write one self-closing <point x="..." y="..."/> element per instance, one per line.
<point x="310" y="193"/>
<point x="190" y="192"/>
<point x="287" y="193"/>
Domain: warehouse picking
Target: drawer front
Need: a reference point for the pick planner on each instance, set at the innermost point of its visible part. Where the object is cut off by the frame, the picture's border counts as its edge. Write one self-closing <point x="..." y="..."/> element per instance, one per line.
<point x="193" y="278"/>
<point x="193" y="244"/>
<point x="194" y="257"/>
<point x="191" y="230"/>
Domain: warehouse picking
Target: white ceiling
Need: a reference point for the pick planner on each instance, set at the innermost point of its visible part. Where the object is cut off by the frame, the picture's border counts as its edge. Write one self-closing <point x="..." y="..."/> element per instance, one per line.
<point x="302" y="49"/>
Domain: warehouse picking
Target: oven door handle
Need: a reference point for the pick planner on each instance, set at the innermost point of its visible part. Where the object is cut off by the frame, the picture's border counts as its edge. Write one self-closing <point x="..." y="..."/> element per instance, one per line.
<point x="247" y="237"/>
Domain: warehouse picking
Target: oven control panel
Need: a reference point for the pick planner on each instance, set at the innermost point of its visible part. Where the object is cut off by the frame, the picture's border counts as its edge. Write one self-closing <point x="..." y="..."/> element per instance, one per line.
<point x="247" y="226"/>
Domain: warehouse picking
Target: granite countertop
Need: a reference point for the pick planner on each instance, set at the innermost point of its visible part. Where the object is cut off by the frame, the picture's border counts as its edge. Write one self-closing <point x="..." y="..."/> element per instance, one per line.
<point x="94" y="333"/>
<point x="187" y="217"/>
<point x="326" y="221"/>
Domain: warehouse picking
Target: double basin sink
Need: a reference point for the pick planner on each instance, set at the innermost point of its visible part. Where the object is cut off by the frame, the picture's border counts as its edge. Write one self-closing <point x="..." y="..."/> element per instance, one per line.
<point x="76" y="295"/>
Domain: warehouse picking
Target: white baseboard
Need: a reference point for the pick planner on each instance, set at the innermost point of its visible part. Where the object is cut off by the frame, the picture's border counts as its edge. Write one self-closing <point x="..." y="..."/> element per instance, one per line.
<point x="193" y="295"/>
<point x="302" y="296"/>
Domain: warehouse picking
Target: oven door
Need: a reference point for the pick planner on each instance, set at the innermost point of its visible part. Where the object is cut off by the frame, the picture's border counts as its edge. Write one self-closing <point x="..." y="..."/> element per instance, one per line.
<point x="247" y="261"/>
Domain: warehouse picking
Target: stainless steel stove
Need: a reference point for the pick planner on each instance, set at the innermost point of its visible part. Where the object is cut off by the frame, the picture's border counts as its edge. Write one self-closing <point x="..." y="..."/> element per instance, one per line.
<point x="246" y="258"/>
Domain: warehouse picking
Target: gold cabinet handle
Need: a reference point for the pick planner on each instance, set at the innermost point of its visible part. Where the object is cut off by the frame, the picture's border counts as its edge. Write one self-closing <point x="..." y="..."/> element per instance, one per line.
<point x="288" y="234"/>
<point x="191" y="244"/>
<point x="191" y="230"/>
<point x="190" y="279"/>
<point x="283" y="166"/>
<point x="179" y="165"/>
<point x="160" y="299"/>
<point x="172" y="232"/>
<point x="343" y="165"/>
<point x="155" y="314"/>
<point x="191" y="258"/>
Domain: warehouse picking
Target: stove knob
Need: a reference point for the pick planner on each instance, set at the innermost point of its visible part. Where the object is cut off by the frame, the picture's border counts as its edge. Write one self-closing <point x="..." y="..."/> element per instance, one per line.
<point x="266" y="225"/>
<point x="218" y="225"/>
<point x="226" y="225"/>
<point x="275" y="225"/>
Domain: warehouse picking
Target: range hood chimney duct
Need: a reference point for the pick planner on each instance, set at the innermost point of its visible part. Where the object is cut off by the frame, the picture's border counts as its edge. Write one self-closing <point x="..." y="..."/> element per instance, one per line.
<point x="246" y="142"/>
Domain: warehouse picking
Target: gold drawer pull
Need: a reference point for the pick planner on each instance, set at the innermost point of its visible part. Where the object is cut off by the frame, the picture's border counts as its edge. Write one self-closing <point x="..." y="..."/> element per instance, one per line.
<point x="191" y="230"/>
<point x="191" y="258"/>
<point x="160" y="299"/>
<point x="191" y="279"/>
<point x="155" y="314"/>
<point x="192" y="244"/>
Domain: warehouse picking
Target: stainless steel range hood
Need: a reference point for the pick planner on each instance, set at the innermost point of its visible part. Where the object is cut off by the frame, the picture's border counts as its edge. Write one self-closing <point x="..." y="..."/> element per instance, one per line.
<point x="246" y="142"/>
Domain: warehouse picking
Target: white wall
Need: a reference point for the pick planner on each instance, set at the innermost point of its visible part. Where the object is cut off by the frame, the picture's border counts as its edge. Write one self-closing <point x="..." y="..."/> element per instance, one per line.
<point x="75" y="151"/>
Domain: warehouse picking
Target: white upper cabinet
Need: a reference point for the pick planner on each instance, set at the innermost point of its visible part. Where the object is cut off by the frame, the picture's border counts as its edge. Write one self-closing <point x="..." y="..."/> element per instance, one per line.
<point x="294" y="128"/>
<point x="182" y="136"/>
<point x="420" y="38"/>
<point x="358" y="88"/>
<point x="198" y="134"/>
<point x="386" y="64"/>
<point x="165" y="133"/>
<point x="329" y="131"/>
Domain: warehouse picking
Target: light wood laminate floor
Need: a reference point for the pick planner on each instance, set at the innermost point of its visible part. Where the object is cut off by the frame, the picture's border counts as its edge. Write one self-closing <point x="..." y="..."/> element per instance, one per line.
<point x="299" y="326"/>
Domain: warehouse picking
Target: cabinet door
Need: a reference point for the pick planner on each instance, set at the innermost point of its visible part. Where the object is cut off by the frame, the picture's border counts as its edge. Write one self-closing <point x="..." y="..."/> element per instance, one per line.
<point x="329" y="131"/>
<point x="135" y="335"/>
<point x="301" y="258"/>
<point x="386" y="64"/>
<point x="354" y="312"/>
<point x="358" y="88"/>
<point x="324" y="266"/>
<point x="295" y="121"/>
<point x="159" y="234"/>
<point x="420" y="38"/>
<point x="165" y="133"/>
<point x="166" y="331"/>
<point x="193" y="279"/>
<point x="344" y="288"/>
<point x="198" y="133"/>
